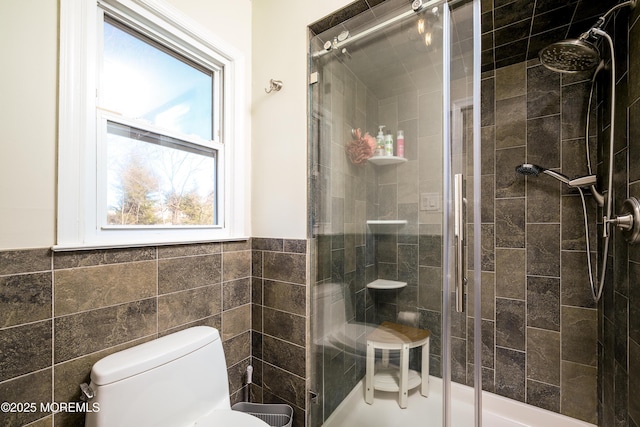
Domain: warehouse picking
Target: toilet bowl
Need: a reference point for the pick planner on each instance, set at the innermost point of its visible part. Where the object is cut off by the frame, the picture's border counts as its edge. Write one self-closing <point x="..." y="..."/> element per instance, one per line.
<point x="177" y="380"/>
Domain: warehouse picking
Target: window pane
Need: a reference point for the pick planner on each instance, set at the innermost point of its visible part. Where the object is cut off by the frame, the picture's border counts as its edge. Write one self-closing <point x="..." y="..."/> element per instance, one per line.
<point x="157" y="180"/>
<point x="142" y="81"/>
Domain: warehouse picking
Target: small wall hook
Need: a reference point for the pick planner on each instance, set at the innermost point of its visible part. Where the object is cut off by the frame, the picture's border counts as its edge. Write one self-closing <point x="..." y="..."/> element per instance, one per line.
<point x="275" y="86"/>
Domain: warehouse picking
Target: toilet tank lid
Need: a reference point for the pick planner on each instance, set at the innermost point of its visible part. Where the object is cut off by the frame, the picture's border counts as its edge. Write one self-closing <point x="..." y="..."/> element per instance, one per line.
<point x="143" y="357"/>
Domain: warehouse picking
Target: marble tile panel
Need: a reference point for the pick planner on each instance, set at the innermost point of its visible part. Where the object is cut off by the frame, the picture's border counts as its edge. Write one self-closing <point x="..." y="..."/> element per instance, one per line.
<point x="237" y="348"/>
<point x="510" y="373"/>
<point x="430" y="288"/>
<point x="285" y="297"/>
<point x="543" y="302"/>
<point x="236" y="375"/>
<point x="24" y="349"/>
<point x="510" y="323"/>
<point x="284" y="355"/>
<point x="179" y="251"/>
<point x="236" y="293"/>
<point x="286" y="326"/>
<point x="285" y="267"/>
<point x="236" y="245"/>
<point x="579" y="335"/>
<point x="510" y="223"/>
<point x="176" y="274"/>
<point x="543" y="199"/>
<point x="182" y="307"/>
<point x="487" y="101"/>
<point x="574" y="106"/>
<point x="508" y="182"/>
<point x="34" y="387"/>
<point x="542" y="395"/>
<point x="25" y="261"/>
<point x="578" y="398"/>
<point x="511" y="120"/>
<point x="88" y="288"/>
<point x="543" y="356"/>
<point x="298" y="246"/>
<point x="543" y="92"/>
<point x="543" y="141"/>
<point x="25" y="298"/>
<point x="82" y="333"/>
<point x="236" y="321"/>
<point x="510" y="273"/>
<point x="430" y="250"/>
<point x="576" y="288"/>
<point x="510" y="81"/>
<point x="283" y="384"/>
<point x="543" y="249"/>
<point x="488" y="150"/>
<point x="488" y="344"/>
<point x="236" y="265"/>
<point x="74" y="259"/>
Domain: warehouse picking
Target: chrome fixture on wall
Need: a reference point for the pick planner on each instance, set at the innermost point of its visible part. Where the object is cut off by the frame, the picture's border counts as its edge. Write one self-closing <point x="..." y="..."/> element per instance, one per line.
<point x="572" y="56"/>
<point x="274" y="86"/>
<point x="628" y="221"/>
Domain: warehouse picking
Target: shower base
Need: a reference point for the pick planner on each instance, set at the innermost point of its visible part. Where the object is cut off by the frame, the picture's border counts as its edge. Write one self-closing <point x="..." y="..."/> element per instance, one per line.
<point x="427" y="412"/>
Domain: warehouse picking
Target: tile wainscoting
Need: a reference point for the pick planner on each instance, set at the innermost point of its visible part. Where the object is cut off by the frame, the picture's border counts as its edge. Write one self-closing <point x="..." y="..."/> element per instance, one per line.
<point x="61" y="312"/>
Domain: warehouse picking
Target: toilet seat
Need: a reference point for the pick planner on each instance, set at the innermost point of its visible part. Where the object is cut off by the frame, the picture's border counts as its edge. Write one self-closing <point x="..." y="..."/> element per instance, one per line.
<point x="227" y="417"/>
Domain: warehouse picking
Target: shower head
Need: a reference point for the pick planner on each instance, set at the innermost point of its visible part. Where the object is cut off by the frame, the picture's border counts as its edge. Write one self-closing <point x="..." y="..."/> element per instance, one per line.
<point x="528" y="169"/>
<point x="570" y="56"/>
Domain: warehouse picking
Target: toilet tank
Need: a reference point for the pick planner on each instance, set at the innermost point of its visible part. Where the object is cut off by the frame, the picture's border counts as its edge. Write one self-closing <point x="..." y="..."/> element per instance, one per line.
<point x="171" y="381"/>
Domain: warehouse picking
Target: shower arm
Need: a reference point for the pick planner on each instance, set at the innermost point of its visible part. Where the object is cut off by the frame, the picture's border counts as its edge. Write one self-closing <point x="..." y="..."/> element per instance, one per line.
<point x="601" y="21"/>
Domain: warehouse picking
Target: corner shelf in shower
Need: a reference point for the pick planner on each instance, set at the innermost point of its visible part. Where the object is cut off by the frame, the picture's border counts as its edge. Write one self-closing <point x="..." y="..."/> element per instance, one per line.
<point x="381" y="222"/>
<point x="384" y="226"/>
<point x="386" y="284"/>
<point x="386" y="160"/>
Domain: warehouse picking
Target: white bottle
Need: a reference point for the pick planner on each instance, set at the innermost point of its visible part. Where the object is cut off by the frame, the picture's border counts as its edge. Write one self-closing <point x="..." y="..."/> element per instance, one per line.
<point x="400" y="144"/>
<point x="380" y="142"/>
<point x="388" y="145"/>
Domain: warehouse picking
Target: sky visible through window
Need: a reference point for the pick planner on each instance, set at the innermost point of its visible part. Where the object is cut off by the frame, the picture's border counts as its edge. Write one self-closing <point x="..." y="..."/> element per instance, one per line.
<point x="150" y="182"/>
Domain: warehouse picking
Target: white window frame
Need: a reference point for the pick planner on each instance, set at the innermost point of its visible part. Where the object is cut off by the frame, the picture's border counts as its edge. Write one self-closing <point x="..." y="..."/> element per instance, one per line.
<point x="78" y="226"/>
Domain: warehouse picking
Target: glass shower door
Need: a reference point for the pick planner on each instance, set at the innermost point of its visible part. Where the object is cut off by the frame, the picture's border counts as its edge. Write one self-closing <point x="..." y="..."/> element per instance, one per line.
<point x="382" y="216"/>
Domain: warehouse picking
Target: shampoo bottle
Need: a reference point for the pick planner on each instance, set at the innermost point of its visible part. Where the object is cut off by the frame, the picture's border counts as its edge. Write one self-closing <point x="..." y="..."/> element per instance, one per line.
<point x="380" y="142"/>
<point x="388" y="145"/>
<point x="400" y="144"/>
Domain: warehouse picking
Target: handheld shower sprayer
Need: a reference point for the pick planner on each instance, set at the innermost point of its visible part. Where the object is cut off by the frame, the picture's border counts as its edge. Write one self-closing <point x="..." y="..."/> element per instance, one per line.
<point x="528" y="169"/>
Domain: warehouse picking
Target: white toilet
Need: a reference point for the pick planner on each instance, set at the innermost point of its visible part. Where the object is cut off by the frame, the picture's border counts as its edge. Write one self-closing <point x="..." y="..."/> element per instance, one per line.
<point x="176" y="380"/>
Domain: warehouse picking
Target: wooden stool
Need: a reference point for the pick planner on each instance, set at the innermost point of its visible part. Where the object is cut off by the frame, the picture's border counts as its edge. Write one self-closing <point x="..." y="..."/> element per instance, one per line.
<point x="394" y="336"/>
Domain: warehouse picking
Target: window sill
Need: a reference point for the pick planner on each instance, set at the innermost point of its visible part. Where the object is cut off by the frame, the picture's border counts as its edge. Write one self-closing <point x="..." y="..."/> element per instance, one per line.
<point x="88" y="247"/>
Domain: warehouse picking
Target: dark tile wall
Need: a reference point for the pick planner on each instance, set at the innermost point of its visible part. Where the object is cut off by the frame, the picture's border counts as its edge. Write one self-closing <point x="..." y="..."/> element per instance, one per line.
<point x="619" y="309"/>
<point x="540" y="339"/>
<point x="61" y="312"/>
<point x="280" y="323"/>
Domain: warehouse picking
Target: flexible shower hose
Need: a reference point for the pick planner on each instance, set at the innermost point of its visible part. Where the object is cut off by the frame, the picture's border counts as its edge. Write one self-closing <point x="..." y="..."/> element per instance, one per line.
<point x="597" y="292"/>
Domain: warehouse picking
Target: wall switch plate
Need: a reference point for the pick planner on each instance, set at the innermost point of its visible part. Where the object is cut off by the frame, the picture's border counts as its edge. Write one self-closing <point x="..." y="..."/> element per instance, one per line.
<point x="429" y="201"/>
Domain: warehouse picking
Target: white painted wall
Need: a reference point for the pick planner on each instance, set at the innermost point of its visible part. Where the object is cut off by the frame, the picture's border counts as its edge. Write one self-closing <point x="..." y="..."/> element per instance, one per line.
<point x="272" y="34"/>
<point x="279" y="120"/>
<point x="28" y="81"/>
<point x="28" y="107"/>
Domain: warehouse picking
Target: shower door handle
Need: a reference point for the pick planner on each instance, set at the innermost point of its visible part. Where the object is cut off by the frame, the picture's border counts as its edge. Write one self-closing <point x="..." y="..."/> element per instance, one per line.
<point x="459" y="232"/>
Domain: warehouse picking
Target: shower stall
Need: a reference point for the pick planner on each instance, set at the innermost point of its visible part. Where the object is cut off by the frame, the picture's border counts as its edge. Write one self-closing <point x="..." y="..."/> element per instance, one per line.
<point x="419" y="220"/>
<point x="395" y="229"/>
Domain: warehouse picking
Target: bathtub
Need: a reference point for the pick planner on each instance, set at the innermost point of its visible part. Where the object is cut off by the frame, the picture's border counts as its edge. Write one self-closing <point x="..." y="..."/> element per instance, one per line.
<point x="497" y="411"/>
